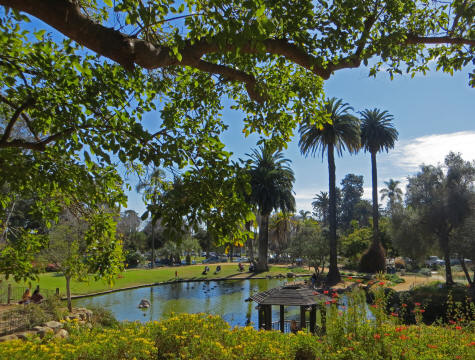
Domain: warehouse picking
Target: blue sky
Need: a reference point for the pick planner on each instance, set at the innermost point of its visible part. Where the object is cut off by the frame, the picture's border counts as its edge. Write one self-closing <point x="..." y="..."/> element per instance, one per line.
<point x="434" y="114"/>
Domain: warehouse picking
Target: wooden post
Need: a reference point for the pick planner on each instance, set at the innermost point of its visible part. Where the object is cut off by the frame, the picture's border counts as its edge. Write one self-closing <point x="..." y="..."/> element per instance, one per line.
<point x="9" y="294"/>
<point x="260" y="316"/>
<point x="282" y="321"/>
<point x="268" y="325"/>
<point x="323" y="319"/>
<point x="57" y="292"/>
<point x="313" y="318"/>
<point x="303" y="323"/>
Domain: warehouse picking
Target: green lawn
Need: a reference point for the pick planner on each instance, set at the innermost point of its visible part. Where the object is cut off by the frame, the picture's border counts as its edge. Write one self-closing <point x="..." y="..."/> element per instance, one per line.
<point x="133" y="277"/>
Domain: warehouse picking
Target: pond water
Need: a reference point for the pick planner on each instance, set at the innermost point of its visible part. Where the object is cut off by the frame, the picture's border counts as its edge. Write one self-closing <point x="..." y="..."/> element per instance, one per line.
<point x="224" y="298"/>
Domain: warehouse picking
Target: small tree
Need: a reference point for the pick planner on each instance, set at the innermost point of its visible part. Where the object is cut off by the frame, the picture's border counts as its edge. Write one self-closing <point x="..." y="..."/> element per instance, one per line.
<point x="310" y="244"/>
<point x="83" y="246"/>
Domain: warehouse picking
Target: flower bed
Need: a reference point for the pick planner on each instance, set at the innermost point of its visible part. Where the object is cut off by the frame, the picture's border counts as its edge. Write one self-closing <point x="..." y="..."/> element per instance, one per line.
<point x="199" y="336"/>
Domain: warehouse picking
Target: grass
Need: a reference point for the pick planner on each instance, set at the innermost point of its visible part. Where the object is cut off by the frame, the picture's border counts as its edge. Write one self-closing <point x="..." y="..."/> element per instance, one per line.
<point x="135" y="277"/>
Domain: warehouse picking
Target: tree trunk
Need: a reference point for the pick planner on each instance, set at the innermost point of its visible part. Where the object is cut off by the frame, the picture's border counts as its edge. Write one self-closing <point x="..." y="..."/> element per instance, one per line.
<point x="250" y="250"/>
<point x="333" y="276"/>
<point x="68" y="293"/>
<point x="465" y="270"/>
<point x="374" y="178"/>
<point x="448" y="269"/>
<point x="153" y="246"/>
<point x="263" y="243"/>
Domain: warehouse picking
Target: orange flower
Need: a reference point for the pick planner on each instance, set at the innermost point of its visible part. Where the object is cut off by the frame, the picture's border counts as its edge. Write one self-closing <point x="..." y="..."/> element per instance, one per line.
<point x="404" y="305"/>
<point x="395" y="314"/>
<point x="432" y="346"/>
<point x="403" y="337"/>
<point x="377" y="336"/>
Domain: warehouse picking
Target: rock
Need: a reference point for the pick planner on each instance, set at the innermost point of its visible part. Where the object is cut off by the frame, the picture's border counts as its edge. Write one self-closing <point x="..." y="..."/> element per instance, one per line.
<point x="44" y="331"/>
<point x="61" y="334"/>
<point x="55" y="325"/>
<point x="290" y="275"/>
<point x="26" y="335"/>
<point x="8" y="338"/>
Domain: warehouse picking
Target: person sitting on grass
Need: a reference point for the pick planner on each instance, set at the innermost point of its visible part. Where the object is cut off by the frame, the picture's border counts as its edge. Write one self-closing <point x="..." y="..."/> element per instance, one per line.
<point x="206" y="270"/>
<point x="241" y="267"/>
<point x="25" y="299"/>
<point x="37" y="297"/>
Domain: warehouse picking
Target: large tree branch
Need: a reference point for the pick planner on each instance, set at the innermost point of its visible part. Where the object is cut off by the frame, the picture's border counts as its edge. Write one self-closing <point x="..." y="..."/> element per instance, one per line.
<point x="25" y="117"/>
<point x="36" y="145"/>
<point x="67" y="17"/>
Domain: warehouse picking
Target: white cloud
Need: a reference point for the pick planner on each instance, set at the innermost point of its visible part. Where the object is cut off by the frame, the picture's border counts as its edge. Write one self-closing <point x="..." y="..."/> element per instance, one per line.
<point x="432" y="149"/>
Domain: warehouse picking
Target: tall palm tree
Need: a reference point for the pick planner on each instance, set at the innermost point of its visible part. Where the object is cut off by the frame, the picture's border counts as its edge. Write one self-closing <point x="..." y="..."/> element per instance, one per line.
<point x="392" y="192"/>
<point x="271" y="189"/>
<point x="377" y="134"/>
<point x="304" y="214"/>
<point x="342" y="132"/>
<point x="320" y="206"/>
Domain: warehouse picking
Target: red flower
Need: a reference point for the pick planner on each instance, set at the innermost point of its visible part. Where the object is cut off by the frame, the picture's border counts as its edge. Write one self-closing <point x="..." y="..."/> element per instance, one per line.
<point x="327" y="303"/>
<point x="377" y="336"/>
<point x="432" y="346"/>
<point x="386" y="334"/>
<point x="403" y="337"/>
<point x="394" y="314"/>
<point x="335" y="295"/>
<point x="471" y="344"/>
<point x="359" y="280"/>
<point x="458" y="327"/>
<point x="404" y="305"/>
<point x="417" y="304"/>
<point x="381" y="283"/>
<point x="333" y="301"/>
<point x="325" y="292"/>
<point x="374" y="306"/>
<point x="452" y="322"/>
<point x="422" y="310"/>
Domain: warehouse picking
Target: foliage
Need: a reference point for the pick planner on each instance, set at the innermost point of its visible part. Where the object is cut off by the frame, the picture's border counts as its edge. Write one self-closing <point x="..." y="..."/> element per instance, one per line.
<point x="199" y="336"/>
<point x="310" y="244"/>
<point x="392" y="192"/>
<point x="351" y="191"/>
<point x="355" y="243"/>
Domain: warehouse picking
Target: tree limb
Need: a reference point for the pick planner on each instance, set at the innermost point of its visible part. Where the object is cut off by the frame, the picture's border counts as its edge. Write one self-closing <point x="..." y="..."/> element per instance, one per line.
<point x="14" y="118"/>
<point x="66" y="17"/>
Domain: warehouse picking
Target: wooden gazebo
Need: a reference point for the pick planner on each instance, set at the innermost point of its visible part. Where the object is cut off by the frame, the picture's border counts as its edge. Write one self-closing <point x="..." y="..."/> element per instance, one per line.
<point x="290" y="295"/>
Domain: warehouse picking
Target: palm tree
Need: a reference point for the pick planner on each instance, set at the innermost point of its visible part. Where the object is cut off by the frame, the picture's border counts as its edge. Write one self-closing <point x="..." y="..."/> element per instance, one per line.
<point x="304" y="214"/>
<point x="342" y="132"/>
<point x="320" y="206"/>
<point x="271" y="189"/>
<point x="392" y="192"/>
<point x="377" y="134"/>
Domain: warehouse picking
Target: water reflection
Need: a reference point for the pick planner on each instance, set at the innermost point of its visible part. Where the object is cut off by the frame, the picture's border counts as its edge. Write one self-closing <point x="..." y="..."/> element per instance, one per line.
<point x="226" y="298"/>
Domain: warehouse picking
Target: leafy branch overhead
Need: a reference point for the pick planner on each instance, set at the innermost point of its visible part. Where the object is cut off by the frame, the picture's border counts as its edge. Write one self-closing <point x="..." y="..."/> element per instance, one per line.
<point x="233" y="38"/>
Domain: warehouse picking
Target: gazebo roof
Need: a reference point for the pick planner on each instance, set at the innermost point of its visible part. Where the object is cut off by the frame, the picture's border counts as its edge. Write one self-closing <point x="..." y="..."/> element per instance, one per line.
<point x="289" y="295"/>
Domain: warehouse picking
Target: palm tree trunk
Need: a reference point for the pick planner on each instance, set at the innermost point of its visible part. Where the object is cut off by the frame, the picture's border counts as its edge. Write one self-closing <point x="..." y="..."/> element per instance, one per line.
<point x="263" y="243"/>
<point x="374" y="178"/>
<point x="153" y="246"/>
<point x="333" y="276"/>
<point x="250" y="250"/>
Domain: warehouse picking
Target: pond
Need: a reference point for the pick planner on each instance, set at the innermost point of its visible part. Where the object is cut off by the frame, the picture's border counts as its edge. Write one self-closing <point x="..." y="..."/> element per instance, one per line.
<point x="224" y="298"/>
